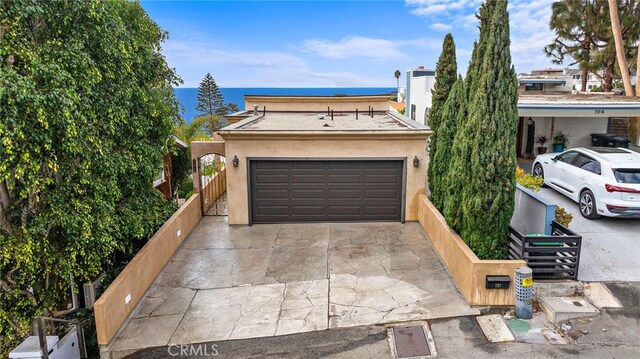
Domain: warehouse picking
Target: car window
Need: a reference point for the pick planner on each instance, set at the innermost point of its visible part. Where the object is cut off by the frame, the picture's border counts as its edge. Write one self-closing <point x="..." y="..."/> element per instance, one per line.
<point x="627" y="175"/>
<point x="567" y="157"/>
<point x="587" y="163"/>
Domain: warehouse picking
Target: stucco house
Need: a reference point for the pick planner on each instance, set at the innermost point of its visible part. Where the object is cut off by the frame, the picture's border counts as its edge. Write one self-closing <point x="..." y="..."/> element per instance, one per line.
<point x="548" y="101"/>
<point x="309" y="159"/>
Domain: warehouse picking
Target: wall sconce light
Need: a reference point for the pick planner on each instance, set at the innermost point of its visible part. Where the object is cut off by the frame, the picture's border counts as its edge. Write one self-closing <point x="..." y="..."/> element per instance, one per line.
<point x="416" y="161"/>
<point x="236" y="161"/>
<point x="529" y="121"/>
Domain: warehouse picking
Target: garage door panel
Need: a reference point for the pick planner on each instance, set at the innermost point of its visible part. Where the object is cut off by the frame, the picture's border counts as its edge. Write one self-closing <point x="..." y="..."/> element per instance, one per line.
<point x="343" y="210"/>
<point x="308" y="210"/>
<point x="306" y="165"/>
<point x="344" y="178"/>
<point x="339" y="190"/>
<point x="382" y="165"/>
<point x="344" y="193"/>
<point x="344" y="165"/>
<point x="377" y="193"/>
<point x="272" y="194"/>
<point x="307" y="193"/>
<point x="381" y="178"/>
<point x="380" y="210"/>
<point x="307" y="178"/>
<point x="272" y="178"/>
<point x="273" y="210"/>
<point x="271" y="165"/>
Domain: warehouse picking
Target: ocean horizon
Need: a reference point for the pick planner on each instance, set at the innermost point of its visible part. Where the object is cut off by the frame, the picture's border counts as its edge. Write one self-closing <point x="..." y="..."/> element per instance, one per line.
<point x="188" y="96"/>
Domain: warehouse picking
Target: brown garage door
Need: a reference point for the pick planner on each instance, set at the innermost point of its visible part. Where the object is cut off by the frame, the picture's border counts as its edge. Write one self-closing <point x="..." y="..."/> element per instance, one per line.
<point x="312" y="191"/>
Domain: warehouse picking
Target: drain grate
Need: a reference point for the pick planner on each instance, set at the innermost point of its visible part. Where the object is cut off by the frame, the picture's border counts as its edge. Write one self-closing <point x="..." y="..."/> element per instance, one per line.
<point x="412" y="342"/>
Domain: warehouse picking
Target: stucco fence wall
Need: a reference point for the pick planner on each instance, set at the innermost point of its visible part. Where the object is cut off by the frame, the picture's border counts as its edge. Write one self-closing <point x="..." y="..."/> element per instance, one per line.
<point x="467" y="270"/>
<point x="111" y="310"/>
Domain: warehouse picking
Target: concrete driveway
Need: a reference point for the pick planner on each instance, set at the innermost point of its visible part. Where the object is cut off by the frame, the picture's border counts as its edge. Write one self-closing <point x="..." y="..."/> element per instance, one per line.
<point x="234" y="282"/>
<point x="610" y="246"/>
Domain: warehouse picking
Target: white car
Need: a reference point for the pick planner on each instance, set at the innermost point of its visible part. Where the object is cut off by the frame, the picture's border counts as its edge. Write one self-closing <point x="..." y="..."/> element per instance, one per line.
<point x="604" y="181"/>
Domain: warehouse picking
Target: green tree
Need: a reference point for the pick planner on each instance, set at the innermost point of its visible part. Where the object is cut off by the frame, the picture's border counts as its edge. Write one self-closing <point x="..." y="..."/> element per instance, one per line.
<point x="459" y="172"/>
<point x="488" y="194"/>
<point x="86" y="109"/>
<point x="450" y="112"/>
<point x="583" y="32"/>
<point x="210" y="102"/>
<point x="574" y="25"/>
<point x="397" y="75"/>
<point x="446" y="72"/>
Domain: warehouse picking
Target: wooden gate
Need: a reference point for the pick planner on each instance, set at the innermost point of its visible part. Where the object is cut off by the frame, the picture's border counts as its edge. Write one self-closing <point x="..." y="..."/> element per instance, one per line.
<point x="213" y="188"/>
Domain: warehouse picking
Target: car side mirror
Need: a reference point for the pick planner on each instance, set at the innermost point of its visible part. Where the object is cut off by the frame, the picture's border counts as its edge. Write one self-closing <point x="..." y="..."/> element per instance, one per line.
<point x="554" y="158"/>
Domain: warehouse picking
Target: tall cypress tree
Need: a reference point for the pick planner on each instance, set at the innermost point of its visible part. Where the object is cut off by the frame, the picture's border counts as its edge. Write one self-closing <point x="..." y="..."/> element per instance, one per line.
<point x="473" y="71"/>
<point x="488" y="196"/>
<point x="446" y="72"/>
<point x="210" y="101"/>
<point x="459" y="172"/>
<point x="453" y="107"/>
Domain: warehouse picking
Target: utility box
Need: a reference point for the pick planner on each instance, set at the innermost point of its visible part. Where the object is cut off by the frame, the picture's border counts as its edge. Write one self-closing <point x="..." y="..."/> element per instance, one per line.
<point x="66" y="348"/>
<point x="30" y="348"/>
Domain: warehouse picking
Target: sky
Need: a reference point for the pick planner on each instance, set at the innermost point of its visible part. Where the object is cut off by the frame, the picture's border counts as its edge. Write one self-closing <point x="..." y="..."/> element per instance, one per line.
<point x="332" y="43"/>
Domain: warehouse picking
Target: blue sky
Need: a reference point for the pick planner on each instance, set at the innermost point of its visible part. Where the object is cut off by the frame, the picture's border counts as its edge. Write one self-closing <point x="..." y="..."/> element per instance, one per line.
<point x="331" y="43"/>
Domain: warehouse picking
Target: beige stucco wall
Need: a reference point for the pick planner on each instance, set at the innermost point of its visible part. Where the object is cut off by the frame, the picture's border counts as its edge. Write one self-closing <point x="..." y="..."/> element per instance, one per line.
<point x="110" y="310"/>
<point x="237" y="195"/>
<point x="465" y="268"/>
<point x="317" y="103"/>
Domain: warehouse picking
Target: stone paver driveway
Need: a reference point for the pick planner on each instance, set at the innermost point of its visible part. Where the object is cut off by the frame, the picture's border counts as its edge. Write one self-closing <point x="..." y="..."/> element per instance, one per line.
<point x="232" y="282"/>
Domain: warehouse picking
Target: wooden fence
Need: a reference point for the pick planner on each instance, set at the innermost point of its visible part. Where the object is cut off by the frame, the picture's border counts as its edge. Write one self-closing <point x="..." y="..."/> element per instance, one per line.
<point x="213" y="187"/>
<point x="555" y="256"/>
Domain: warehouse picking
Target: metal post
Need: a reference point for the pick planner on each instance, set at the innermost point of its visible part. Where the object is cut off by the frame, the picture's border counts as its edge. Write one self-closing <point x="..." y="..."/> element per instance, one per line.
<point x="331" y="115"/>
<point x="82" y="345"/>
<point x="356" y="113"/>
<point x="42" y="338"/>
<point x="524" y="292"/>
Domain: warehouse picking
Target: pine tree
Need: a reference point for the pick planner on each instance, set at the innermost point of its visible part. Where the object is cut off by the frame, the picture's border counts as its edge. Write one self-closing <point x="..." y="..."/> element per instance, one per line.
<point x="210" y="102"/>
<point x="447" y="129"/>
<point x="488" y="196"/>
<point x="459" y="172"/>
<point x="446" y="72"/>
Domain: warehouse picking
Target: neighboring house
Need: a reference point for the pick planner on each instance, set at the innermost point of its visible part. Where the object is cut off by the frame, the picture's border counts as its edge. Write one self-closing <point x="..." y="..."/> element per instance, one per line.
<point x="578" y="116"/>
<point x="547" y="97"/>
<point x="289" y="165"/>
<point x="556" y="80"/>
<point x="420" y="82"/>
<point x="163" y="181"/>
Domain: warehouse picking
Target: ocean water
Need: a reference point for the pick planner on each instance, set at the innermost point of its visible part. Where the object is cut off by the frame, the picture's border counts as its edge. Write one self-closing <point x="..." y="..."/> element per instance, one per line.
<point x="188" y="97"/>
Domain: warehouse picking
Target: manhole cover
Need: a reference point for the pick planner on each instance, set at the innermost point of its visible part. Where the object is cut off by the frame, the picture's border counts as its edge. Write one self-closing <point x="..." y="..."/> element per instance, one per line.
<point x="412" y="342"/>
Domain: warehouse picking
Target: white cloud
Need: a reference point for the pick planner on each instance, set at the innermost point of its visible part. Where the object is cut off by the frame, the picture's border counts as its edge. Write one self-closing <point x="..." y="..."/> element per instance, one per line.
<point x="202" y="53"/>
<point x="428" y="8"/>
<point x="529" y="25"/>
<point x="527" y="45"/>
<point x="366" y="47"/>
<point x="354" y="46"/>
<point x="441" y="26"/>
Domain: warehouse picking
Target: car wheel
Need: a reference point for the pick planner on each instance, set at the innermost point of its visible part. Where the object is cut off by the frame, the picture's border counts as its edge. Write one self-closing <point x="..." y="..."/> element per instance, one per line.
<point x="587" y="205"/>
<point x="538" y="171"/>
